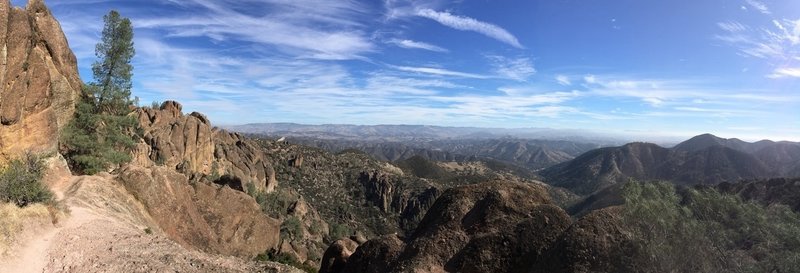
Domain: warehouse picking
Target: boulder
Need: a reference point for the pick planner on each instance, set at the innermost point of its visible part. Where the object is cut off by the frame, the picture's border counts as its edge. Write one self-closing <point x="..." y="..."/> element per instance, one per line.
<point x="377" y="255"/>
<point x="335" y="257"/>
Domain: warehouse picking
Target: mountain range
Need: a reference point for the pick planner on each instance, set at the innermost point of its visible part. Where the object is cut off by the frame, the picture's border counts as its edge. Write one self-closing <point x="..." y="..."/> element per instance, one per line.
<point x="385" y="133"/>
<point x="704" y="159"/>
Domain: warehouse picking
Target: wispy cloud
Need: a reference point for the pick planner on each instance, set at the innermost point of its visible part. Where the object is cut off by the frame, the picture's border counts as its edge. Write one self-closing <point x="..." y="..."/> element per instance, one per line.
<point x="778" y="42"/>
<point x="518" y="69"/>
<point x="563" y="80"/>
<point x="470" y="24"/>
<point x="417" y="45"/>
<point x="293" y="27"/>
<point x="758" y="5"/>
<point x="439" y="72"/>
<point x="785" y="72"/>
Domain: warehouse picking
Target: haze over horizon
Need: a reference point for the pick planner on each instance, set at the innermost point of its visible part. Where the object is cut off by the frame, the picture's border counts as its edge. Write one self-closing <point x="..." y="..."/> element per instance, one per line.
<point x="677" y="68"/>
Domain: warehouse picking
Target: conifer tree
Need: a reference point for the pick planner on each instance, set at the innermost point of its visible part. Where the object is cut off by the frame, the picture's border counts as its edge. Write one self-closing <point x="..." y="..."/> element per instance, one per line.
<point x="102" y="132"/>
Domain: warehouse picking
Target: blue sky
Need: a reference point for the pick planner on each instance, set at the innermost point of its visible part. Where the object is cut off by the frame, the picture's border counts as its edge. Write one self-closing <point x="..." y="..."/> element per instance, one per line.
<point x="629" y="67"/>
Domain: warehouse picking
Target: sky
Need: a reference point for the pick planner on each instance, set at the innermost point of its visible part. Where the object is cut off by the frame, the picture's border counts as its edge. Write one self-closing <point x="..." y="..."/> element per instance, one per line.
<point x="628" y="67"/>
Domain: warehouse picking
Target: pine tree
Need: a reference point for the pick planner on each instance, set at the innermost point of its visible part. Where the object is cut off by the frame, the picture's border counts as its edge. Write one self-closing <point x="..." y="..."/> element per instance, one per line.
<point x="113" y="69"/>
<point x="102" y="132"/>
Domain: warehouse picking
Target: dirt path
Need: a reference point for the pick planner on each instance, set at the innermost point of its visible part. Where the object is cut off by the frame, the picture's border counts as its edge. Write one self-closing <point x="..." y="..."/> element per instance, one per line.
<point x="105" y="232"/>
<point x="31" y="255"/>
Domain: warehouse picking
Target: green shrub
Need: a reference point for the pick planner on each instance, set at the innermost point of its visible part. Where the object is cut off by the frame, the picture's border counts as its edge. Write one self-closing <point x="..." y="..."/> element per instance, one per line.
<point x="338" y="231"/>
<point x="292" y="228"/>
<point x="251" y="189"/>
<point x="707" y="231"/>
<point x="21" y="182"/>
<point x="275" y="203"/>
<point x="286" y="259"/>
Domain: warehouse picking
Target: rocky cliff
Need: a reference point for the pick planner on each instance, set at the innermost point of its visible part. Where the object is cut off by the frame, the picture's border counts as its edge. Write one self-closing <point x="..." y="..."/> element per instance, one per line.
<point x="39" y="80"/>
<point x="191" y="145"/>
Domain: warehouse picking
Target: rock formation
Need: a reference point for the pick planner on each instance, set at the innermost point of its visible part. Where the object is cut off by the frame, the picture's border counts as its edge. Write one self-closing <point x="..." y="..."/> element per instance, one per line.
<point x="489" y="227"/>
<point x="39" y="80"/>
<point x="201" y="215"/>
<point x="335" y="258"/>
<point x="595" y="243"/>
<point x="190" y="144"/>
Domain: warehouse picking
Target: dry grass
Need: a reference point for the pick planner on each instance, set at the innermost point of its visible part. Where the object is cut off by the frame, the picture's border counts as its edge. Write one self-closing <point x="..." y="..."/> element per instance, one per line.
<point x="16" y="222"/>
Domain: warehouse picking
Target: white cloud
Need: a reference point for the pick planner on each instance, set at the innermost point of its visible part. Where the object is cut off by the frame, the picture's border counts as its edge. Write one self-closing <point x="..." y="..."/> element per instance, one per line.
<point x="778" y="40"/>
<point x="563" y="80"/>
<point x="417" y="45"/>
<point x="732" y="26"/>
<point x="295" y="27"/>
<point x="590" y="79"/>
<point x="439" y="72"/>
<point x="785" y="72"/>
<point x="518" y="69"/>
<point x="656" y="102"/>
<point x="470" y="24"/>
<point x="760" y="6"/>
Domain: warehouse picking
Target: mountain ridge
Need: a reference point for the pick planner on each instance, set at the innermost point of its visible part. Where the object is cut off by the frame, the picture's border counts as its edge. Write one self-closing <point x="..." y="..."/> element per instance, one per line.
<point x="703" y="159"/>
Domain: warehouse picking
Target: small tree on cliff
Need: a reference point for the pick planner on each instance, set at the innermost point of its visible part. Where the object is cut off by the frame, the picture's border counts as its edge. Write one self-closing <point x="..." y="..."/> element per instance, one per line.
<point x="101" y="134"/>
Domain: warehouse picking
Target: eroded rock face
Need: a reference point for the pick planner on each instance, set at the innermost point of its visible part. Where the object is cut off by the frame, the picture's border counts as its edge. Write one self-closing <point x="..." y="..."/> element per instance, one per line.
<point x="495" y="226"/>
<point x="39" y="80"/>
<point x="387" y="193"/>
<point x="201" y="215"/>
<point x="190" y="144"/>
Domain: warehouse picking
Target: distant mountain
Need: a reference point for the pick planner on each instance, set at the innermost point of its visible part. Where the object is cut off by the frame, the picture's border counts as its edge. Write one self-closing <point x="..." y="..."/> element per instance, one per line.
<point x="704" y="159"/>
<point x="419" y="132"/>
<point x="522" y="153"/>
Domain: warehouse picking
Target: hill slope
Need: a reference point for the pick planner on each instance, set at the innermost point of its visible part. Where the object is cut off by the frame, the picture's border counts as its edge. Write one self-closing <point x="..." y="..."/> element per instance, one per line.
<point x="704" y="159"/>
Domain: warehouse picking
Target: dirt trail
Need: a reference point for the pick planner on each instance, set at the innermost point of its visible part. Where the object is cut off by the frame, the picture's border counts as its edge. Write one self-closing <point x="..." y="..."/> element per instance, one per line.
<point x="105" y="232"/>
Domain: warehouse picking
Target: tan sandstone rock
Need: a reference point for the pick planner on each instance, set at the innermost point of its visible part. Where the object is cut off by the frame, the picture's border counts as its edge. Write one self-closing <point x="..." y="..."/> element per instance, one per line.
<point x="190" y="144"/>
<point x="203" y="216"/>
<point x="39" y="80"/>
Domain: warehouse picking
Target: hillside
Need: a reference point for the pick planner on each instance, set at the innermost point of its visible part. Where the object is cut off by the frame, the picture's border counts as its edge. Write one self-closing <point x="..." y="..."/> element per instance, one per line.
<point x="704" y="159"/>
<point x="530" y="154"/>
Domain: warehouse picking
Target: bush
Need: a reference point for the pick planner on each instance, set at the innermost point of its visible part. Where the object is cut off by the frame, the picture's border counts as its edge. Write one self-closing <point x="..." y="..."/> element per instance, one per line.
<point x="707" y="231"/>
<point x="275" y="203"/>
<point x="292" y="228"/>
<point x="21" y="182"/>
<point x="95" y="141"/>
<point x="338" y="231"/>
<point x="286" y="259"/>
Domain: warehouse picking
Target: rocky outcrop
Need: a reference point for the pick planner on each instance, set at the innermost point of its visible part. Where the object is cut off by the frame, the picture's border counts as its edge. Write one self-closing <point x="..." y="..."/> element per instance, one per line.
<point x="39" y="80"/>
<point x="595" y="243"/>
<point x="376" y="255"/>
<point x="191" y="145"/>
<point x="201" y="215"/>
<point x="488" y="227"/>
<point x="390" y="194"/>
<point x="335" y="258"/>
